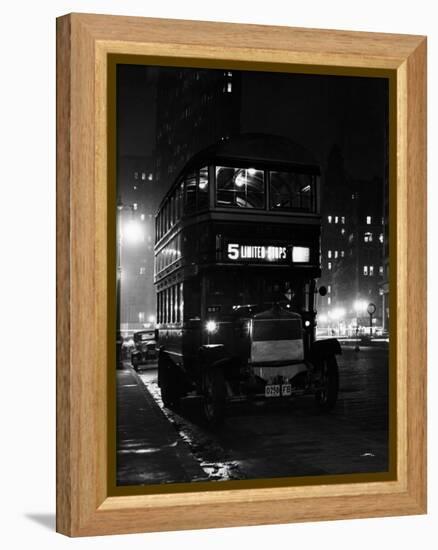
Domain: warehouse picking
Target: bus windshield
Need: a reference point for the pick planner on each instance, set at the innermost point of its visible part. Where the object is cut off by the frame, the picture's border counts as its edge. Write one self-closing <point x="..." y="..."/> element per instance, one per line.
<point x="239" y="291"/>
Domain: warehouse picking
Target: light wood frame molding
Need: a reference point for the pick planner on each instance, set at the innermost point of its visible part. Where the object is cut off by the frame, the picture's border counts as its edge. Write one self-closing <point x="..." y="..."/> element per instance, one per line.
<point x="83" y="45"/>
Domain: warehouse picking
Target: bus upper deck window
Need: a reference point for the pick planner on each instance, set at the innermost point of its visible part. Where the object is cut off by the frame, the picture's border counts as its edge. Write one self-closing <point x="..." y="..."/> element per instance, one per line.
<point x="291" y="191"/>
<point x="190" y="192"/>
<point x="203" y="188"/>
<point x="240" y="187"/>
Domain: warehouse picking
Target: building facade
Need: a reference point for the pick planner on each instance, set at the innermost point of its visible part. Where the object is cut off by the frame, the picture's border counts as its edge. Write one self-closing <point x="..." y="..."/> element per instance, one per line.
<point x="195" y="108"/>
<point x="354" y="252"/>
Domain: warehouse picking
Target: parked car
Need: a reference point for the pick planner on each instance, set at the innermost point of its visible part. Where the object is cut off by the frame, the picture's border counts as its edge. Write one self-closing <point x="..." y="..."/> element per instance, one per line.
<point x="145" y="348"/>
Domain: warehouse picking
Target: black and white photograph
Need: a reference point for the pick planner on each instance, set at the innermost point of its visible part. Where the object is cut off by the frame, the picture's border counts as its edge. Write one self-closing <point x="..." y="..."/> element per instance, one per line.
<point x="252" y="233"/>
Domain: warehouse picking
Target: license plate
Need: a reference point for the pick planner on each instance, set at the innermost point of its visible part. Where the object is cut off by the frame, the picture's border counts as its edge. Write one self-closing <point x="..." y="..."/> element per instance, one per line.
<point x="272" y="390"/>
<point x="277" y="390"/>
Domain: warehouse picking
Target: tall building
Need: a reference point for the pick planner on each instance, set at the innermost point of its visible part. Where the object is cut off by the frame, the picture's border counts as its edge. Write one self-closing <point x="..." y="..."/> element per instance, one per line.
<point x="195" y="108"/>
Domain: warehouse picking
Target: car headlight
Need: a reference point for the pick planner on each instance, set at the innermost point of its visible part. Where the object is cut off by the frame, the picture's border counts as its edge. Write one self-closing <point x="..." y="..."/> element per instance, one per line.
<point x="211" y="326"/>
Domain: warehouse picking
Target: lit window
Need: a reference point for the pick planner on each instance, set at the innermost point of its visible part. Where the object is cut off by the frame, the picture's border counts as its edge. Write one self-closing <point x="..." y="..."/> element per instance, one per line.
<point x="365" y="270"/>
<point x="343" y="219"/>
<point x="136" y="175"/>
<point x="142" y="270"/>
<point x="151" y="176"/>
<point x="336" y="253"/>
<point x="368" y="220"/>
<point x="329" y="218"/>
<point x="336" y="219"/>
<point x="230" y="73"/>
<point x="381" y="270"/>
<point x="371" y="270"/>
<point x="342" y="254"/>
<point x="381" y="237"/>
<point x="329" y="289"/>
<point x="368" y="237"/>
<point x="142" y="216"/>
<point x="229" y="87"/>
<point x="329" y="300"/>
<point x="135" y="206"/>
<point x="143" y="176"/>
<point x="245" y="188"/>
<point x="329" y="265"/>
<point x="329" y="254"/>
<point x="342" y="231"/>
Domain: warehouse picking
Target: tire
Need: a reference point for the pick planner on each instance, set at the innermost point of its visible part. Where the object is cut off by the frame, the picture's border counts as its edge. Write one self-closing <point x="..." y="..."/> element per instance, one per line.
<point x="214" y="393"/>
<point x="327" y="396"/>
<point x="169" y="383"/>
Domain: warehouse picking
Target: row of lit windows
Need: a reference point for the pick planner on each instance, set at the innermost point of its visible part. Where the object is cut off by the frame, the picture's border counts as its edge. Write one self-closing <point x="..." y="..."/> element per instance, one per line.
<point x="168" y="254"/>
<point x="143" y="176"/>
<point x="170" y="303"/>
<point x="368" y="270"/>
<point x="336" y="254"/>
<point x="341" y="219"/>
<point x="336" y="219"/>
<point x="368" y="237"/>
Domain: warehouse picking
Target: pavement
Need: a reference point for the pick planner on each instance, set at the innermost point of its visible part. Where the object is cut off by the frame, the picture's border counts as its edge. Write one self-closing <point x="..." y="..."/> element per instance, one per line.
<point x="149" y="449"/>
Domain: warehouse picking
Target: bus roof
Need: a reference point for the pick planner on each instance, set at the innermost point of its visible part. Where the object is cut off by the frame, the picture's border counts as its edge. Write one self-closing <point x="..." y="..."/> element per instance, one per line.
<point x="264" y="148"/>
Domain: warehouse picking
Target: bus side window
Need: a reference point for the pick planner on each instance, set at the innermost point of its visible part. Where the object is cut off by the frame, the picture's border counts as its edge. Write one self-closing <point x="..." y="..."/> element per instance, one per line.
<point x="171" y="304"/>
<point x="159" y="307"/>
<point x="181" y="199"/>
<point x="203" y="188"/>
<point x="165" y="306"/>
<point x="172" y="210"/>
<point x="177" y="303"/>
<point x="190" y="189"/>
<point x="181" y="302"/>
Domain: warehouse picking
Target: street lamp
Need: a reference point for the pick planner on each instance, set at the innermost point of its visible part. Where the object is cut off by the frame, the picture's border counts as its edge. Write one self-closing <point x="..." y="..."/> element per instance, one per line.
<point x="130" y="233"/>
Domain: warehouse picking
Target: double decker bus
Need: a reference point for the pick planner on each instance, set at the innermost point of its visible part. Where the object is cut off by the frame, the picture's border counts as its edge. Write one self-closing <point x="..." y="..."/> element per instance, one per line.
<point x="237" y="256"/>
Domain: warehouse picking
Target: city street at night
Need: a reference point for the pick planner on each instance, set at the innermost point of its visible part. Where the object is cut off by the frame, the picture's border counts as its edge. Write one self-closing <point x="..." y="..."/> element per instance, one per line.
<point x="271" y="439"/>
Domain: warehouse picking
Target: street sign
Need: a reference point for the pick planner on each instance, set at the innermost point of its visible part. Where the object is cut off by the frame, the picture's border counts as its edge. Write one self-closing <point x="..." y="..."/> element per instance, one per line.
<point x="371" y="308"/>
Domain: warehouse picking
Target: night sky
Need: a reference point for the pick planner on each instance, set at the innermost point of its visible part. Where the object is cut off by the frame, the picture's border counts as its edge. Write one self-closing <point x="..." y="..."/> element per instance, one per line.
<point x="316" y="111"/>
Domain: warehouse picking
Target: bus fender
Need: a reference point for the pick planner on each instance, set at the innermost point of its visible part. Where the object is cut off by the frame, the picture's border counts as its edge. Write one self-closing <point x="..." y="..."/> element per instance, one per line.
<point x="325" y="348"/>
<point x="213" y="355"/>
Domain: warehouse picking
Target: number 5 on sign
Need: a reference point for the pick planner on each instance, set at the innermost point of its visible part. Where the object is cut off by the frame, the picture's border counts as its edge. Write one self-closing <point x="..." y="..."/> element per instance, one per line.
<point x="233" y="251"/>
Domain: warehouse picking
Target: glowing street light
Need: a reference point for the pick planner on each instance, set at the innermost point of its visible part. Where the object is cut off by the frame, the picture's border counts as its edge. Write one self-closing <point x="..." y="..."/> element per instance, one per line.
<point x="132" y="232"/>
<point x="337" y="314"/>
<point x="360" y="306"/>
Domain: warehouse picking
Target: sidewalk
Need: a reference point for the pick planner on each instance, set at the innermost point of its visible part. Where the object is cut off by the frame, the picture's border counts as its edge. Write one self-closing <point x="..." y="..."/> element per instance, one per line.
<point x="149" y="450"/>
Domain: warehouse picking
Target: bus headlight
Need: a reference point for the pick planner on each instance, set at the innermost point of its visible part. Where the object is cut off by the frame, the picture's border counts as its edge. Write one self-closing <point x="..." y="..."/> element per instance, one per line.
<point x="211" y="326"/>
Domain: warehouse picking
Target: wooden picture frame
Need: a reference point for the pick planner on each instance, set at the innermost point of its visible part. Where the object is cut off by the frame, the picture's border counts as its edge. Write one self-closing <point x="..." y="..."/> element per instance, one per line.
<point x="85" y="259"/>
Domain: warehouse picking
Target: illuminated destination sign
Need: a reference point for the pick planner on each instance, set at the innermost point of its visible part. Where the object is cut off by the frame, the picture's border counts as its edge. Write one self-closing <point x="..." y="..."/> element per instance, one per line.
<point x="267" y="253"/>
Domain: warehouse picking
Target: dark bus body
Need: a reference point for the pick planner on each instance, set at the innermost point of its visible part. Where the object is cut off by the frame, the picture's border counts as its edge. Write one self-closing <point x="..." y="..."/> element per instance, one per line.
<point x="237" y="256"/>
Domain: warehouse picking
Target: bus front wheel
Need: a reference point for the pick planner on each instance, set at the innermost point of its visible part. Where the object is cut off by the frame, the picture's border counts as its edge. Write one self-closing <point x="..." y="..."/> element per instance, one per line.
<point x="214" y="390"/>
<point x="327" y="393"/>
